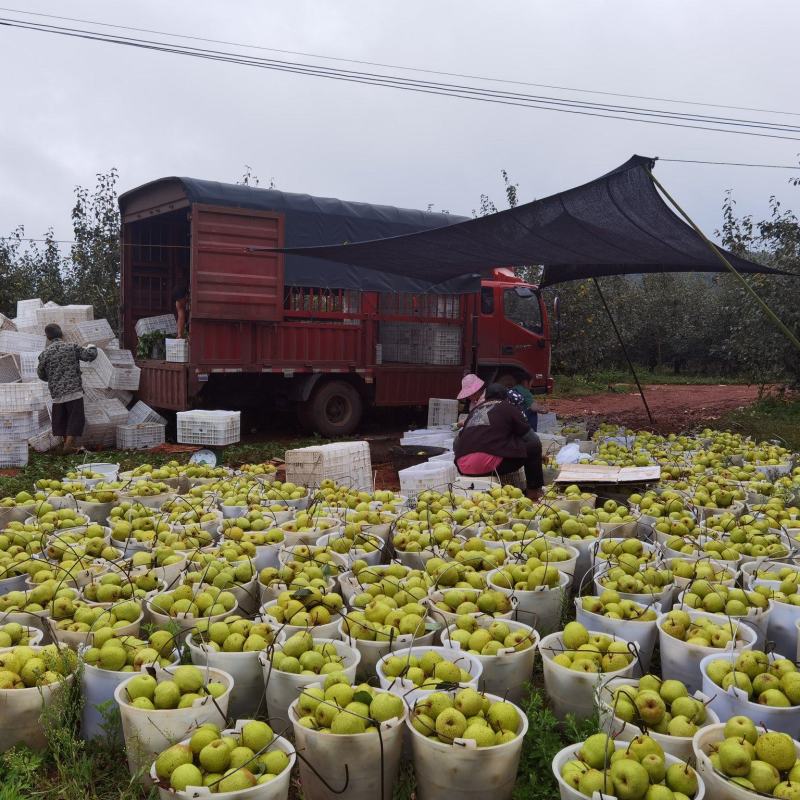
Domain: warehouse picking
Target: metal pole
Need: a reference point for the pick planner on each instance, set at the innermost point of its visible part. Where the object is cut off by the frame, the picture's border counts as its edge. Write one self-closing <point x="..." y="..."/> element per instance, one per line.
<point x="718" y="253"/>
<point x="624" y="349"/>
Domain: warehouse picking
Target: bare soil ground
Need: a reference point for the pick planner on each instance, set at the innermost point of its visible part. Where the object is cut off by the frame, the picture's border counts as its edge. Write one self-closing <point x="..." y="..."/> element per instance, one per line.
<point x="674" y="408"/>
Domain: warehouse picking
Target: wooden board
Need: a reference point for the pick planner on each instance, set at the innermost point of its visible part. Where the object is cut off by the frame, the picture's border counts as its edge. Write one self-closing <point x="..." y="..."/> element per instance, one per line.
<point x="602" y="473"/>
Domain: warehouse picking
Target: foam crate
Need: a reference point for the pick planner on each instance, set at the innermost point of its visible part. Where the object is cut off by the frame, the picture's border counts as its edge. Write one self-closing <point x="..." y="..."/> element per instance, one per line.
<point x="44" y="441"/>
<point x="119" y="358"/>
<point x="345" y="463"/>
<point x="141" y="436"/>
<point x="21" y="396"/>
<point x="126" y="378"/>
<point x="13" y="454"/>
<point x="213" y="428"/>
<point x="27" y="364"/>
<point x="94" y="331"/>
<point x="9" y="371"/>
<point x="165" y="322"/>
<point x="6" y="324"/>
<point x="16" y="342"/>
<point x="97" y="374"/>
<point x="18" y="426"/>
<point x="177" y="350"/>
<point x="141" y="412"/>
<point x="442" y="412"/>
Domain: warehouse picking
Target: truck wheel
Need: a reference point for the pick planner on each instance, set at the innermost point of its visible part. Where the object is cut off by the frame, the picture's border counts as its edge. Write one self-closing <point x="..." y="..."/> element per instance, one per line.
<point x="334" y="409"/>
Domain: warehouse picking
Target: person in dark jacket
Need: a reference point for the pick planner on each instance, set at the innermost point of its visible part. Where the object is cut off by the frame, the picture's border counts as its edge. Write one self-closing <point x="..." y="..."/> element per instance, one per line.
<point x="59" y="365"/>
<point x="496" y="438"/>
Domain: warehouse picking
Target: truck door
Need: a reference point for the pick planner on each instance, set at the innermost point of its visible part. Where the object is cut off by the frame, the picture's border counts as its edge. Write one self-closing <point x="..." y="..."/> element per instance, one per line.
<point x="524" y="335"/>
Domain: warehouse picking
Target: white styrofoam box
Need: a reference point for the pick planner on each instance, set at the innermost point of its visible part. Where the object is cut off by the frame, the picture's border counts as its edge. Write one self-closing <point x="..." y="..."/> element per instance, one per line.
<point x="94" y="331"/>
<point x="64" y="315"/>
<point x="141" y="436"/>
<point x="97" y="374"/>
<point x="28" y="362"/>
<point x="165" y="322"/>
<point x="126" y="378"/>
<point x="442" y="411"/>
<point x="44" y="441"/>
<point x="215" y="428"/>
<point x="6" y="324"/>
<point x="119" y="358"/>
<point x="16" y="342"/>
<point x="9" y="371"/>
<point x="18" y="426"/>
<point x="346" y="463"/>
<point x="13" y="454"/>
<point x="177" y="350"/>
<point x="429" y="475"/>
<point x="21" y="396"/>
<point x="141" y="412"/>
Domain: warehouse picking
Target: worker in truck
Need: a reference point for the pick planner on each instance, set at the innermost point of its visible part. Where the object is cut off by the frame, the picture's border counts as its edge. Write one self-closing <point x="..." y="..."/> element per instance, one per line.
<point x="496" y="439"/>
<point x="60" y="365"/>
<point x="180" y="296"/>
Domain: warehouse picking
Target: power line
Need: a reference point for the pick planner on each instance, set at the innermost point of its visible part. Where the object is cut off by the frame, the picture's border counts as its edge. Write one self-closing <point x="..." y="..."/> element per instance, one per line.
<point x="729" y="163"/>
<point x="449" y="90"/>
<point x="400" y="66"/>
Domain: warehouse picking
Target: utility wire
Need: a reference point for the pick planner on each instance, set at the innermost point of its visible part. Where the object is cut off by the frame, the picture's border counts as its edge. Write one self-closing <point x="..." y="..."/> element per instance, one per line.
<point x="728" y="163"/>
<point x="399" y="66"/>
<point x="463" y="92"/>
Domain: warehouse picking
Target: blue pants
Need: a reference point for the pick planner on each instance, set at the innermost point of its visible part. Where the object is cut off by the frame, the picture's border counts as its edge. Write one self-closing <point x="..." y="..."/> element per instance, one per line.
<point x="533" y="418"/>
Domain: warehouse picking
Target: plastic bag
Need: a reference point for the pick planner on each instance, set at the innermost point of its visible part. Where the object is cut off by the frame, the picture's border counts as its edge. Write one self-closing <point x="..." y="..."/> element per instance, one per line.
<point x="569" y="454"/>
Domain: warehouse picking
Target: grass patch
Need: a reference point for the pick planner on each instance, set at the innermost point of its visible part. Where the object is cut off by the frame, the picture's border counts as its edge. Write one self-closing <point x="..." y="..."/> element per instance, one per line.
<point x="622" y="381"/>
<point x="776" y="418"/>
<point x="53" y="465"/>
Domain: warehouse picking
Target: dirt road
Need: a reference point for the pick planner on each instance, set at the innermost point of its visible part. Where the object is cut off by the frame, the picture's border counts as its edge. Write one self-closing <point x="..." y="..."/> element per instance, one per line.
<point x="674" y="408"/>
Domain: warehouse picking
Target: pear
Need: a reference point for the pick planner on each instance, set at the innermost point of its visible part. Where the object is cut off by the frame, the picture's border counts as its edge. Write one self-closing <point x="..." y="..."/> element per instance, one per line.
<point x="777" y="749"/>
<point x="172" y="758"/>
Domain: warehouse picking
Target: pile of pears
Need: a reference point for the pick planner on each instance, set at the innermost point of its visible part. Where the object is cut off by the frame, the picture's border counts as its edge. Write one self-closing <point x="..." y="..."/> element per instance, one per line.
<point x="770" y="683"/>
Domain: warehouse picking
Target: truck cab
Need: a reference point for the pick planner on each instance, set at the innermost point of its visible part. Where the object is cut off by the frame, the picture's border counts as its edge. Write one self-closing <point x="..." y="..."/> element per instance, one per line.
<point x="513" y="330"/>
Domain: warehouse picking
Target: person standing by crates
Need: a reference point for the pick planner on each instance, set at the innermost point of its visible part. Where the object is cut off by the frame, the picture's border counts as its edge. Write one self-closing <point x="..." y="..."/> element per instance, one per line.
<point x="60" y="365"/>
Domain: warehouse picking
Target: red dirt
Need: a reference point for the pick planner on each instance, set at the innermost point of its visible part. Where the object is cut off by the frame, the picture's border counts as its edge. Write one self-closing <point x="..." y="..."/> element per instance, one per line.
<point x="674" y="408"/>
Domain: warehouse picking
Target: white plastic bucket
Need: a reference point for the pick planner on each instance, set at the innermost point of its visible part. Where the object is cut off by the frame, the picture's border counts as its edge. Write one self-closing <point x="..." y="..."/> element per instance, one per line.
<point x="292" y="538"/>
<point x="35" y="636"/>
<point x="372" y="652"/>
<point x="682" y="583"/>
<point x="540" y="608"/>
<point x="733" y="701"/>
<point x="644" y="633"/>
<point x="185" y="621"/>
<point x="108" y="471"/>
<point x="718" y="787"/>
<point x="681" y="661"/>
<point x="507" y="672"/>
<point x="678" y="746"/>
<point x="22" y="712"/>
<point x="76" y="639"/>
<point x="462" y="770"/>
<point x="330" y="630"/>
<point x="570" y="753"/>
<point x="247" y="696"/>
<point x="618" y="530"/>
<point x="148" y="732"/>
<point x="268" y="594"/>
<point x="151" y="501"/>
<point x="445" y="618"/>
<point x="570" y="691"/>
<point x="98" y="687"/>
<point x="282" y="688"/>
<point x="372" y="557"/>
<point x="276" y="789"/>
<point x="365" y="755"/>
<point x="585" y="548"/>
<point x="664" y="597"/>
<point x="408" y="690"/>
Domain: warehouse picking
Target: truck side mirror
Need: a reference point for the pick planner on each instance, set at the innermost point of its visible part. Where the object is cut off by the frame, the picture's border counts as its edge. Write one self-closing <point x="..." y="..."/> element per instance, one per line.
<point x="557" y="318"/>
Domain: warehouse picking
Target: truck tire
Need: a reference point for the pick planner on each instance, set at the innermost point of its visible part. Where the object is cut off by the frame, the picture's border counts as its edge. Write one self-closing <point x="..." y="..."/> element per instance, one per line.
<point x="334" y="409"/>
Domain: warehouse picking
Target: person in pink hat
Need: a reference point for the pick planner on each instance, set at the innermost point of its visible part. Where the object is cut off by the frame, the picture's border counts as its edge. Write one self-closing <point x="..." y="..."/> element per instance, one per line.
<point x="472" y="389"/>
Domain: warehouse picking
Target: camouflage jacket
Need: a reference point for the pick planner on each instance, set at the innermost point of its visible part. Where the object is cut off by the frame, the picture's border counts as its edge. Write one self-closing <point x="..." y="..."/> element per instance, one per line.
<point x="59" y="365"/>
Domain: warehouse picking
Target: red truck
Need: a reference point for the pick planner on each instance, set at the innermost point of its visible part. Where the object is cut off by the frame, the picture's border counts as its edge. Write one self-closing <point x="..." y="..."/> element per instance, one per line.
<point x="267" y="329"/>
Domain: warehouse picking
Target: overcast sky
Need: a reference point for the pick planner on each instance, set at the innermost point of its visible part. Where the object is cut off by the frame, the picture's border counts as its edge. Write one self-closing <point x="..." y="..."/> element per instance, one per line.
<point x="72" y="108"/>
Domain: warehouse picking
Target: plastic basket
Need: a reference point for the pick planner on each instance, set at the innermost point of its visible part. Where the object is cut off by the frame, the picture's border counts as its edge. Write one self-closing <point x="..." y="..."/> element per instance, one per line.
<point x="140" y="437"/>
<point x="27" y="310"/>
<point x="21" y="396"/>
<point x="165" y="322"/>
<point x="97" y="374"/>
<point x="442" y="411"/>
<point x="125" y="378"/>
<point x="18" y="426"/>
<point x="27" y="364"/>
<point x="9" y="371"/>
<point x="215" y="428"/>
<point x="177" y="350"/>
<point x="141" y="412"/>
<point x="430" y="475"/>
<point x="119" y="358"/>
<point x="13" y="454"/>
<point x="16" y="342"/>
<point x="6" y="324"/>
<point x="94" y="331"/>
<point x="44" y="441"/>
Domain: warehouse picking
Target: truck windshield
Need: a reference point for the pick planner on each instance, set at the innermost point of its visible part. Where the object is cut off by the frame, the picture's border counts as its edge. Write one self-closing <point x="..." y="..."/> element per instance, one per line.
<point x="523" y="310"/>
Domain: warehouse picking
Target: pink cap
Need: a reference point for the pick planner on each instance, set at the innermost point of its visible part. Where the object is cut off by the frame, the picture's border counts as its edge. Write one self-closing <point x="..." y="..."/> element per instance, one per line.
<point x="470" y="384"/>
